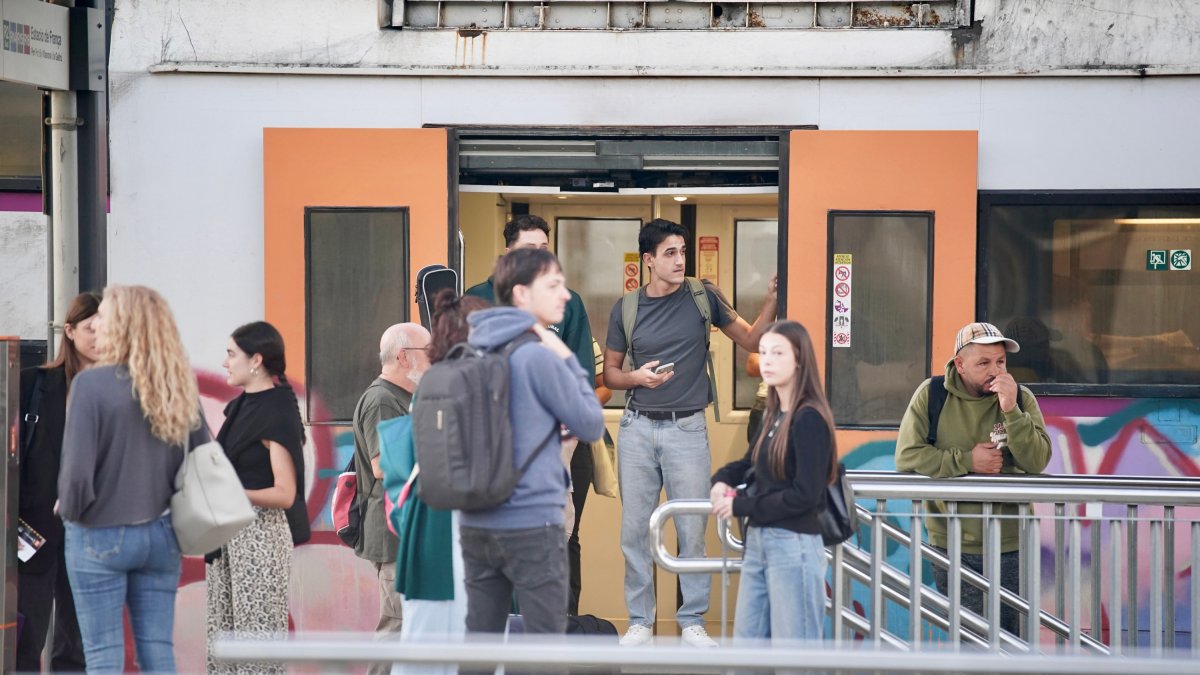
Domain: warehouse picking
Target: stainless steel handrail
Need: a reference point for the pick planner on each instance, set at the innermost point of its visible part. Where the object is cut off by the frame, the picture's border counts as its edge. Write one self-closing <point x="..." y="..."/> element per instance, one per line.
<point x="1022" y="488"/>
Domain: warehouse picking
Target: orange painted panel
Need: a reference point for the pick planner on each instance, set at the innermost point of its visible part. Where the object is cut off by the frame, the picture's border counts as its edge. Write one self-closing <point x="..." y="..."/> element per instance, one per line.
<point x="346" y="167"/>
<point x="883" y="171"/>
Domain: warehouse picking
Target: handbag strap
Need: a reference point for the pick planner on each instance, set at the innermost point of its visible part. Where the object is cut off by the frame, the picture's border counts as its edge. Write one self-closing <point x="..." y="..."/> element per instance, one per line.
<point x="31" y="414"/>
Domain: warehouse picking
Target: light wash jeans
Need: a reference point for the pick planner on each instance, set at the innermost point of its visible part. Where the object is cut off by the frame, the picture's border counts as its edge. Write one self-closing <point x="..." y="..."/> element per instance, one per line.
<point x="437" y="619"/>
<point x="111" y="567"/>
<point x="781" y="593"/>
<point x="651" y="455"/>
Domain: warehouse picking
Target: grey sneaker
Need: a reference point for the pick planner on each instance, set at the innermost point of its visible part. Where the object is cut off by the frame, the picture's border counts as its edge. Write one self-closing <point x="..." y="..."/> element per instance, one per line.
<point x="637" y="635"/>
<point x="696" y="636"/>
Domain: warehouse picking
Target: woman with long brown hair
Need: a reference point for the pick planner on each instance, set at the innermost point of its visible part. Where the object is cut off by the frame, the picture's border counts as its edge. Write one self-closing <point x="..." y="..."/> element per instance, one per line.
<point x="130" y="418"/>
<point x="42" y="581"/>
<point x="782" y="482"/>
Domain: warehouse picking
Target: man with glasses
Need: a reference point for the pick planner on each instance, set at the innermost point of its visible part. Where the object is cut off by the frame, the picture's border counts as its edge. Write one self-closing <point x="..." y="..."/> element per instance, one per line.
<point x="403" y="360"/>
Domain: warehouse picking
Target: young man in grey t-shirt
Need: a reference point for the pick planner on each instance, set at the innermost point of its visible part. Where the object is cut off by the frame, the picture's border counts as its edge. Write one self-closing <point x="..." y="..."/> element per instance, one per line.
<point x="663" y="440"/>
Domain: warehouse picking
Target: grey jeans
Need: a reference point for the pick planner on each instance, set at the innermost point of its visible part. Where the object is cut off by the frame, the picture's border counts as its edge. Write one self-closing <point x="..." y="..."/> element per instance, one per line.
<point x="531" y="563"/>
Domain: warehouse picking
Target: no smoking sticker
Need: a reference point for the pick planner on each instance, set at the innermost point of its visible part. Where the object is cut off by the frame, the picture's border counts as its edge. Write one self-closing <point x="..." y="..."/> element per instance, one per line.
<point x="842" y="290"/>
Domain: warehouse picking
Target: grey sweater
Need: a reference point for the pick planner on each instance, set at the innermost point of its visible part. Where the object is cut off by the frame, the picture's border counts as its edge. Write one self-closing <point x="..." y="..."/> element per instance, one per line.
<point x="114" y="471"/>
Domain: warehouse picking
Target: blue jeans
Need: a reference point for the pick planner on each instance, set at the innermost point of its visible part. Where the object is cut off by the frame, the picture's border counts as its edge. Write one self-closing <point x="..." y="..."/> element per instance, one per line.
<point x="651" y="455"/>
<point x="134" y="565"/>
<point x="781" y="593"/>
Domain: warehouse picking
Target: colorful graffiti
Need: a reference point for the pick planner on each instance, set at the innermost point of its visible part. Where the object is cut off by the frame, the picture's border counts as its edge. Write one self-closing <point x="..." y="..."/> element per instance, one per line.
<point x="1094" y="436"/>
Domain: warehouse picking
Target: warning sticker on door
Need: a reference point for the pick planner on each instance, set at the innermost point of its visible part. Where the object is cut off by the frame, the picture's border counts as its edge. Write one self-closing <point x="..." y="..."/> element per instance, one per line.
<point x="631" y="273"/>
<point x="840" y="322"/>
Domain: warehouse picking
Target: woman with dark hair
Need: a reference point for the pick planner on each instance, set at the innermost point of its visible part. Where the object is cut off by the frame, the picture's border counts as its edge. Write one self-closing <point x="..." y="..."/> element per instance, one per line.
<point x="786" y="473"/>
<point x="42" y="579"/>
<point x="429" y="568"/>
<point x="263" y="436"/>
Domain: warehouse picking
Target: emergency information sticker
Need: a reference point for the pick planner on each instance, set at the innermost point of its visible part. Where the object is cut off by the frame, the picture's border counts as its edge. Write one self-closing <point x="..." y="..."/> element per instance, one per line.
<point x="843" y="279"/>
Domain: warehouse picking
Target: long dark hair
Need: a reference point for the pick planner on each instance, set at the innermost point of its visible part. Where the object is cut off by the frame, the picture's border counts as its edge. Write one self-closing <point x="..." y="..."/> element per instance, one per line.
<point x="807" y="393"/>
<point x="82" y="308"/>
<point x="260" y="337"/>
<point x="449" y="322"/>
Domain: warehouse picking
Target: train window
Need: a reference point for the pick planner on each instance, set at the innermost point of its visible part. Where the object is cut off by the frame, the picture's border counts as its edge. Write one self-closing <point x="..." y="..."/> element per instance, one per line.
<point x="580" y="243"/>
<point x="1098" y="289"/>
<point x="880" y="282"/>
<point x="20" y="132"/>
<point x="756" y="255"/>
<point x="356" y="285"/>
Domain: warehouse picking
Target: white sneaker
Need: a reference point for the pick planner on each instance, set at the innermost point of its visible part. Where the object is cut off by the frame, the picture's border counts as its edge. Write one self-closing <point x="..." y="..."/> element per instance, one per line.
<point x="696" y="636"/>
<point x="637" y="635"/>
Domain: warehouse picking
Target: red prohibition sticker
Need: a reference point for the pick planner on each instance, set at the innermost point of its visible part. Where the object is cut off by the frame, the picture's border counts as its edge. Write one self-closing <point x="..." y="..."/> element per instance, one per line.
<point x="841" y="272"/>
<point x="631" y="284"/>
<point x="842" y="289"/>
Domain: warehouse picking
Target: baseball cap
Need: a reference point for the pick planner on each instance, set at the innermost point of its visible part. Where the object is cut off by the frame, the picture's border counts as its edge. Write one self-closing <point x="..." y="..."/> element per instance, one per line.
<point x="982" y="334"/>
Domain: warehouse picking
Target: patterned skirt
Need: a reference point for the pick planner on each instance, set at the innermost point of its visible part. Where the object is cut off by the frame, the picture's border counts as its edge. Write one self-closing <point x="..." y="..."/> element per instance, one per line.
<point x="248" y="587"/>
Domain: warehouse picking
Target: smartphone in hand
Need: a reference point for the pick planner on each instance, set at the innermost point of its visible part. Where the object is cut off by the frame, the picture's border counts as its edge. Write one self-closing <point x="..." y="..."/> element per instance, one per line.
<point x="664" y="368"/>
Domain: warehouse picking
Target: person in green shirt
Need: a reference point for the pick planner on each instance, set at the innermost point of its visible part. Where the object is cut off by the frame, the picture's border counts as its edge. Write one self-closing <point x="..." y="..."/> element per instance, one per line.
<point x="530" y="231"/>
<point x="981" y="430"/>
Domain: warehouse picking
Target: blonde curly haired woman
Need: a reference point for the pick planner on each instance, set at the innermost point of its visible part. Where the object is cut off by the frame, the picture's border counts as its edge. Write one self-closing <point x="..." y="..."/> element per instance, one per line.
<point x="129" y="421"/>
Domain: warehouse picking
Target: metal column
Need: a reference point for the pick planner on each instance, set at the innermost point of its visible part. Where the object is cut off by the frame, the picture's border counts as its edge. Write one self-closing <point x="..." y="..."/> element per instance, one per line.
<point x="10" y="407"/>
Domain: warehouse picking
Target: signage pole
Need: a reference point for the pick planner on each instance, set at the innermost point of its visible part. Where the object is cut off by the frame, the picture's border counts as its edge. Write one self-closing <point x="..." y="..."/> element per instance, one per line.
<point x="63" y="177"/>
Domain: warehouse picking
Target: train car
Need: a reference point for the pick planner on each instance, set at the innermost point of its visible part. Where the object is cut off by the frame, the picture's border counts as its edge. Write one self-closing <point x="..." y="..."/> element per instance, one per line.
<point x="300" y="165"/>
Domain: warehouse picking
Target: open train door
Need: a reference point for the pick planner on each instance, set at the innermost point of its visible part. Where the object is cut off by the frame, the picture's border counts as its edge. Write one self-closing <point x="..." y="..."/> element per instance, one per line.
<point x="881" y="264"/>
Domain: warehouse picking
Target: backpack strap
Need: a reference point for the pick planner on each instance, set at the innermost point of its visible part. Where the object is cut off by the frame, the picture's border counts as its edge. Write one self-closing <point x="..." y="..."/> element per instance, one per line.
<point x="31" y="413"/>
<point x="700" y="296"/>
<point x="937" y="399"/>
<point x="629" y="307"/>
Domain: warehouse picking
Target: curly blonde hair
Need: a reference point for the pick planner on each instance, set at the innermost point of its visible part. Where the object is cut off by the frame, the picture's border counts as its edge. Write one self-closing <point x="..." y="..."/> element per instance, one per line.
<point x="139" y="333"/>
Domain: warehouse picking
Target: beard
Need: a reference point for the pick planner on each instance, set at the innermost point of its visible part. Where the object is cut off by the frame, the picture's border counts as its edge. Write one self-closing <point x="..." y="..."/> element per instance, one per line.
<point x="414" y="376"/>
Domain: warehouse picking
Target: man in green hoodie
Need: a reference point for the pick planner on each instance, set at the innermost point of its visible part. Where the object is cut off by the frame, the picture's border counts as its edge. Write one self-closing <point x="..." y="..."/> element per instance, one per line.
<point x="983" y="428"/>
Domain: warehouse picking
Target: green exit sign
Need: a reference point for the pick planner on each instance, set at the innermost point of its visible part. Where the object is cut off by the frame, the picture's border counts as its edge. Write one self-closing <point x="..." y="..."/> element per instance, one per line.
<point x="1156" y="260"/>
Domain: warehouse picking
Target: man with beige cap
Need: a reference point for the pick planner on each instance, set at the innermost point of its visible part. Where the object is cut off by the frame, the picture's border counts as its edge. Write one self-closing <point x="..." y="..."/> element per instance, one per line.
<point x="988" y="424"/>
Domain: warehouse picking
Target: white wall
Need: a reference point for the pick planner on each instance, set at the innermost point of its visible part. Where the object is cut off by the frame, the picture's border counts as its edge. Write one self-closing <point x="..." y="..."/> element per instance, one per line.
<point x="23" y="275"/>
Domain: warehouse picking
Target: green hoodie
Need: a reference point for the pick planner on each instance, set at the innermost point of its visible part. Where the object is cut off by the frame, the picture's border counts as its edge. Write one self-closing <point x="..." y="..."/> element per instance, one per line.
<point x="966" y="420"/>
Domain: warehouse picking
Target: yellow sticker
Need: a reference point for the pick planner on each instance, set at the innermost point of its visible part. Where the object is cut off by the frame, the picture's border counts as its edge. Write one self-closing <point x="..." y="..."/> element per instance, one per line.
<point x="842" y="259"/>
<point x="631" y="257"/>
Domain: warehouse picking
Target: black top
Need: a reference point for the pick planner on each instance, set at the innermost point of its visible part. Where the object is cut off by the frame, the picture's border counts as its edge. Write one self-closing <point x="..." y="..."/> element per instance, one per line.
<point x="40" y="462"/>
<point x="270" y="415"/>
<point x="793" y="502"/>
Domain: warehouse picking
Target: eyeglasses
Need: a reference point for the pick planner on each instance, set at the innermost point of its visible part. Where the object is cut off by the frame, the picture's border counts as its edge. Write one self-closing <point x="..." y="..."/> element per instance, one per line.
<point x="416" y="348"/>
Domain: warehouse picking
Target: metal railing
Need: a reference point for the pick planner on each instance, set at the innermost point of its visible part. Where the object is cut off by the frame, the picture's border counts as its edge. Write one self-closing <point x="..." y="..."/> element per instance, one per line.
<point x="1117" y="513"/>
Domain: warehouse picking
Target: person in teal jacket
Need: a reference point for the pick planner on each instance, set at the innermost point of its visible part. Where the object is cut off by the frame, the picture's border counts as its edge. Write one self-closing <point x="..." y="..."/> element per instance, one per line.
<point x="981" y="430"/>
<point x="530" y="231"/>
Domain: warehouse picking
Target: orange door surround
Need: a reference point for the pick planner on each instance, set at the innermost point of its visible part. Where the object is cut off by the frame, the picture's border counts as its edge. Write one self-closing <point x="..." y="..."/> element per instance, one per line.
<point x="346" y="167"/>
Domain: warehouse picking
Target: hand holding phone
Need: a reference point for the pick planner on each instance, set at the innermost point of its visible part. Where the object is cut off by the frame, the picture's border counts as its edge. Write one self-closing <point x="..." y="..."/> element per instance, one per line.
<point x="664" y="368"/>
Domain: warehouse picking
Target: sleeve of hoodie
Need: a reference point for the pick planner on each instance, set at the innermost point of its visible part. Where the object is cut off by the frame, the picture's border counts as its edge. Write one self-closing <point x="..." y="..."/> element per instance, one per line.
<point x="809" y="453"/>
<point x="566" y="390"/>
<point x="914" y="454"/>
<point x="1027" y="438"/>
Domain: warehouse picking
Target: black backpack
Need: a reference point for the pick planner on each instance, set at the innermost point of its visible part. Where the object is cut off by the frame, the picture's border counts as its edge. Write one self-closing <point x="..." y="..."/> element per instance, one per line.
<point x="937" y="399"/>
<point x="462" y="431"/>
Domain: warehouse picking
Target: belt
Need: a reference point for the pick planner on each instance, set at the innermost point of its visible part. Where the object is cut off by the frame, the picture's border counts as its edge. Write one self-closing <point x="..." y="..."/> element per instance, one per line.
<point x="661" y="415"/>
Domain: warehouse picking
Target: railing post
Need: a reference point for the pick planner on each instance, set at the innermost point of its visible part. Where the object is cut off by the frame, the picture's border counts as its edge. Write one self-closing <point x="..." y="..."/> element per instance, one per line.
<point x="954" y="573"/>
<point x="1169" y="576"/>
<point x="1095" y="548"/>
<point x="1024" y="512"/>
<point x="991" y="570"/>
<point x="1032" y="546"/>
<point x="1115" y="529"/>
<point x="1195" y="565"/>
<point x="1060" y="596"/>
<point x="915" y="561"/>
<point x="1131" y="569"/>
<point x="839" y="594"/>
<point x="1156" y="600"/>
<point x="1075" y="573"/>
<point x="878" y="617"/>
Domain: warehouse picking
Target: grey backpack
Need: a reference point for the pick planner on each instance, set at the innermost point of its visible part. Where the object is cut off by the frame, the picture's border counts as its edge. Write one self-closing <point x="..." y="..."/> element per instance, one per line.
<point x="462" y="432"/>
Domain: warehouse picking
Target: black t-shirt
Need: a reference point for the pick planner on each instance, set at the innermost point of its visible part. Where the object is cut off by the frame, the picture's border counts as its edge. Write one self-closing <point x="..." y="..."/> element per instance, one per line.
<point x="250" y="419"/>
